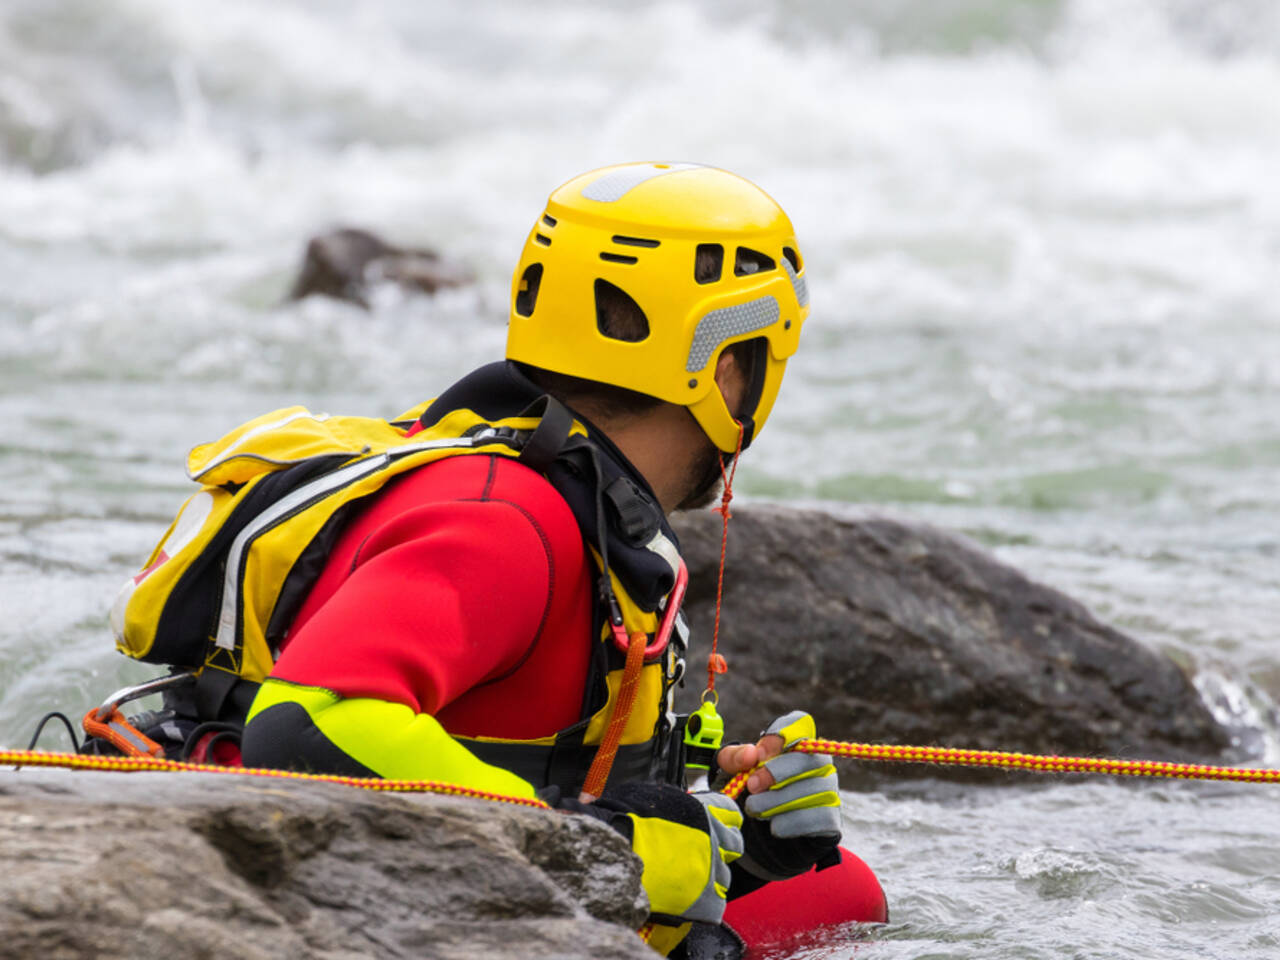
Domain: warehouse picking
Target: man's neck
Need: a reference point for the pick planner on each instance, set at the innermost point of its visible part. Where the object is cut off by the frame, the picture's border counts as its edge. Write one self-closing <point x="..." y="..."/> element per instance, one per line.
<point x="663" y="445"/>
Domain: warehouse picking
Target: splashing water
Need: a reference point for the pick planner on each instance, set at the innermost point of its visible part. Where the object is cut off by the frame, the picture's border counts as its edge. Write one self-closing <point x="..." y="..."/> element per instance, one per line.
<point x="1042" y="241"/>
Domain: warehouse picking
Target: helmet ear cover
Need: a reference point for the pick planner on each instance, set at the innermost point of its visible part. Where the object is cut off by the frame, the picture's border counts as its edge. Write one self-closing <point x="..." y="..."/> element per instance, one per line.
<point x="751" y="357"/>
<point x="640" y="230"/>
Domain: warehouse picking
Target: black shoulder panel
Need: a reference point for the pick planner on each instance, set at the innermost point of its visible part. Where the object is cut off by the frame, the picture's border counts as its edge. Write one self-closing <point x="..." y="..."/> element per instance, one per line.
<point x="282" y="737"/>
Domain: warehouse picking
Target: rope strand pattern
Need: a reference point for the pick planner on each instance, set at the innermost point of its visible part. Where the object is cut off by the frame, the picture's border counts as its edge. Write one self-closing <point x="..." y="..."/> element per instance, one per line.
<point x="39" y="758"/>
<point x="946" y="756"/>
<point x="952" y="756"/>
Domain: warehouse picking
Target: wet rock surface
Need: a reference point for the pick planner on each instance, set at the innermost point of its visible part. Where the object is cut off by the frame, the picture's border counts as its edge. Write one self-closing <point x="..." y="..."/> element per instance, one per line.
<point x="344" y="263"/>
<point x="201" y="865"/>
<point x="891" y="632"/>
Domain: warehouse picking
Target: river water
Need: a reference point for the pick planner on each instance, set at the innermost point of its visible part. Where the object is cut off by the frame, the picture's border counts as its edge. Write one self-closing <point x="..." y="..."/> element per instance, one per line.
<point x="1043" y="241"/>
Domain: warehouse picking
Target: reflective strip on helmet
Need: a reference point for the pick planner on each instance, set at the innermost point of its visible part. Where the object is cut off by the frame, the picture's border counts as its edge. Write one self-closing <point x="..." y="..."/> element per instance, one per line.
<point x="798" y="282"/>
<point x="719" y="325"/>
<point x="615" y="185"/>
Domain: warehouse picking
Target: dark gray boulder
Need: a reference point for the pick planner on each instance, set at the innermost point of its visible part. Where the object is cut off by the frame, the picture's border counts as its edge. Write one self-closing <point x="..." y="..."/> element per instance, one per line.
<point x="150" y="865"/>
<point x="344" y="263"/>
<point x="891" y="632"/>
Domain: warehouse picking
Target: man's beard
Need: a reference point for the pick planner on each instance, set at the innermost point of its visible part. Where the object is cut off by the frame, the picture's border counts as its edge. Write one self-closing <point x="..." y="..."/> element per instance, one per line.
<point x="704" y="480"/>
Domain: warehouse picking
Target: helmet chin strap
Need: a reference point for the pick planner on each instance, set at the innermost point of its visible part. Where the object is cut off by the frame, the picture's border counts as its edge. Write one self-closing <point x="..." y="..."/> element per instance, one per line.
<point x="750" y="402"/>
<point x="746" y="430"/>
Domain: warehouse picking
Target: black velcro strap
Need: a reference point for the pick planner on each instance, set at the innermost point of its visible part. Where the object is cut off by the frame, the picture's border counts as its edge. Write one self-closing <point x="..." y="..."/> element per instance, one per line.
<point x="548" y="438"/>
<point x="637" y="517"/>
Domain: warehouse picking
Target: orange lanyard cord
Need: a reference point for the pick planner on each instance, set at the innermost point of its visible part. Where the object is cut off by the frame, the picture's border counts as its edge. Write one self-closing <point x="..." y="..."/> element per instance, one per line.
<point x="715" y="662"/>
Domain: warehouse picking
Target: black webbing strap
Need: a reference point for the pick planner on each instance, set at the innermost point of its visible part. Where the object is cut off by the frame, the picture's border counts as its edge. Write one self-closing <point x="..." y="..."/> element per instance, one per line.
<point x="213" y="689"/>
<point x="219" y="695"/>
<point x="548" y="438"/>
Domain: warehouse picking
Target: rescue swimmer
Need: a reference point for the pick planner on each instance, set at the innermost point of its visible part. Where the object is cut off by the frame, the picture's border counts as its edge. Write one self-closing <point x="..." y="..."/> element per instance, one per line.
<point x="496" y="568"/>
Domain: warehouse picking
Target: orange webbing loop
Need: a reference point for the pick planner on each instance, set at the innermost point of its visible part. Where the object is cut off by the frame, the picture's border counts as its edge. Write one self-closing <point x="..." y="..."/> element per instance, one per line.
<point x="953" y="756"/>
<point x="120" y="733"/>
<point x="715" y="662"/>
<point x="598" y="775"/>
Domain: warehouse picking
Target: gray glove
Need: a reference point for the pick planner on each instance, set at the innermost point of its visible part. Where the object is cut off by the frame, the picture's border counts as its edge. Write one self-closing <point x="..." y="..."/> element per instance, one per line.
<point x="725" y="820"/>
<point x="796" y="822"/>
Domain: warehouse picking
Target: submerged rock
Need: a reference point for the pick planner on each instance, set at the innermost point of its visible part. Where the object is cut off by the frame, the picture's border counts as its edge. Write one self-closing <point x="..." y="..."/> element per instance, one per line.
<point x="902" y="633"/>
<point x="150" y="865"/>
<point x="345" y="262"/>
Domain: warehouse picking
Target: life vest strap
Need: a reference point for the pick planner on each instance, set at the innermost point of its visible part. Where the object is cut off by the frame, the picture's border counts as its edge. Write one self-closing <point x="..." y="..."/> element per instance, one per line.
<point x="213" y="688"/>
<point x="548" y="438"/>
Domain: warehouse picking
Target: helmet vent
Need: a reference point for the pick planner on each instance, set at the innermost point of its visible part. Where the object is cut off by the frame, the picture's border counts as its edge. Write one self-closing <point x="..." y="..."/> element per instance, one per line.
<point x="793" y="258"/>
<point x="539" y="238"/>
<point x="635" y="241"/>
<point x="618" y="316"/>
<point x="747" y="261"/>
<point x="708" y="263"/>
<point x="549" y="220"/>
<point x="527" y="295"/>
<point x="618" y="258"/>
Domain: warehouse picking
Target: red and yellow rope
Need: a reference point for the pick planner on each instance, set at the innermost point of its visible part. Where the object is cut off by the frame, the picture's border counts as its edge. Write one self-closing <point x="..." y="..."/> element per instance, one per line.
<point x="73" y="761"/>
<point x="1036" y="763"/>
<point x="945" y="756"/>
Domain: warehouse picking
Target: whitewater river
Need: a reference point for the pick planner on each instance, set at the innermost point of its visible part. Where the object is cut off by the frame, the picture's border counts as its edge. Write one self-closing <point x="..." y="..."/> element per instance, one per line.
<point x="1043" y="242"/>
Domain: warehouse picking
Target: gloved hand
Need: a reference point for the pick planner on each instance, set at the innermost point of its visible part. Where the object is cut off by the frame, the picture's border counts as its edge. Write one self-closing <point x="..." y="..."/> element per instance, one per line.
<point x="686" y="842"/>
<point x="727" y="845"/>
<point x="795" y="823"/>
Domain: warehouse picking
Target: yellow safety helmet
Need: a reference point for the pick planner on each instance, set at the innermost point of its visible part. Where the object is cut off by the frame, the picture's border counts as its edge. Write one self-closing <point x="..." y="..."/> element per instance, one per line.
<point x="708" y="257"/>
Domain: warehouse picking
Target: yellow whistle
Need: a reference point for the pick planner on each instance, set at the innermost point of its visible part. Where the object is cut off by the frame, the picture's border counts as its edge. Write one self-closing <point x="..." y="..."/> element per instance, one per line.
<point x="703" y="734"/>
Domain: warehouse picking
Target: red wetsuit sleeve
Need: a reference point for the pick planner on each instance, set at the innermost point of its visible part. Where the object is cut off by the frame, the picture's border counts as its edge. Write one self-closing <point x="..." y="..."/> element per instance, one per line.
<point x="439" y="599"/>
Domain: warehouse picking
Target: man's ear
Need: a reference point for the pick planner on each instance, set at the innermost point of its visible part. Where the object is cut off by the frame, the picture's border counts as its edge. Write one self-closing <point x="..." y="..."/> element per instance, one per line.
<point x="732" y="382"/>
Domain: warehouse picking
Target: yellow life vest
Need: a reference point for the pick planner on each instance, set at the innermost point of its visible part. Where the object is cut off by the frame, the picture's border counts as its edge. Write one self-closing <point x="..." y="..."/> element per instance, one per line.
<point x="219" y="591"/>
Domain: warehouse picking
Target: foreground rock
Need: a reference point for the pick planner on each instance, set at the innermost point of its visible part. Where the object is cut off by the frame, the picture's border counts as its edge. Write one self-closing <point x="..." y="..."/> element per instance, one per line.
<point x="345" y="263"/>
<point x="896" y="633"/>
<point x="200" y="865"/>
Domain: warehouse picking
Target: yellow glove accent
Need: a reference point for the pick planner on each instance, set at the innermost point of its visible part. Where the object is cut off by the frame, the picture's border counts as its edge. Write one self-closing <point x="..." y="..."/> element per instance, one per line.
<point x="824" y="770"/>
<point x="795" y="726"/>
<point x="686" y="868"/>
<point x="663" y="939"/>
<point x="804" y="800"/>
<point x="677" y="865"/>
<point x="728" y="814"/>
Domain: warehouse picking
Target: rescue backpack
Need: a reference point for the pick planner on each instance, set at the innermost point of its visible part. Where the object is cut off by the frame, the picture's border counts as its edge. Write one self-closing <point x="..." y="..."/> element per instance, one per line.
<point x="219" y="591"/>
